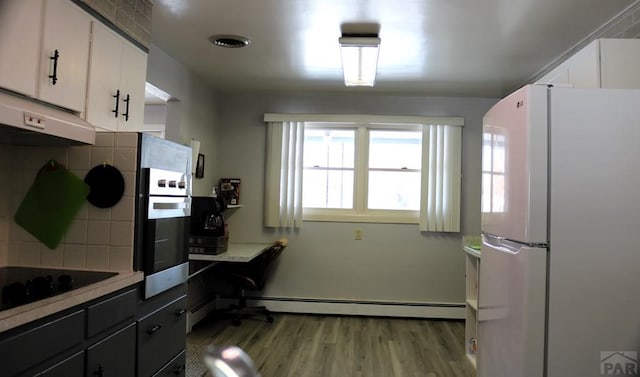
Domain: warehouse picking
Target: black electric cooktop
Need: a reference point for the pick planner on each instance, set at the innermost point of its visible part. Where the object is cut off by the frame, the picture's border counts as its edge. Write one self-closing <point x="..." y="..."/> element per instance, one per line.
<point x="22" y="285"/>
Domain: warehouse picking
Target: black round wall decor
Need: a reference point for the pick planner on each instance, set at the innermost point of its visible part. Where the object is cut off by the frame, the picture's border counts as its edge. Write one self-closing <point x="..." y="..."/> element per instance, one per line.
<point x="107" y="185"/>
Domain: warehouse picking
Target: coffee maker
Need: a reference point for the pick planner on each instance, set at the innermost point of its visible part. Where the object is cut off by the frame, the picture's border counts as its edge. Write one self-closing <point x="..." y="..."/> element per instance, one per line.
<point x="208" y="233"/>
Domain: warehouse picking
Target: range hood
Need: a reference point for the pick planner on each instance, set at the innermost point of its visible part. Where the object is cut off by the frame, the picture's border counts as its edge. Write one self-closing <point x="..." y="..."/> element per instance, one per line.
<point x="24" y="121"/>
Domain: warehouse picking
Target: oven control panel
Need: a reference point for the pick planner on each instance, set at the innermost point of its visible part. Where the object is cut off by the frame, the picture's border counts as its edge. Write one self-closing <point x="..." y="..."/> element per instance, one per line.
<point x="168" y="183"/>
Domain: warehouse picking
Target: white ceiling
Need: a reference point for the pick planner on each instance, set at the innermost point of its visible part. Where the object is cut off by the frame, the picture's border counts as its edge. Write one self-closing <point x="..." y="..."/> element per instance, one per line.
<point x="429" y="47"/>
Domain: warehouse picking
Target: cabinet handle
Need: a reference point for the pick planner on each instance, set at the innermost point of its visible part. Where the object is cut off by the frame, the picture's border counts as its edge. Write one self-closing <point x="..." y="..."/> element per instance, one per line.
<point x="180" y="312"/>
<point x="117" y="97"/>
<point x="100" y="371"/>
<point x="54" y="76"/>
<point x="126" y="114"/>
<point x="154" y="329"/>
<point x="179" y="370"/>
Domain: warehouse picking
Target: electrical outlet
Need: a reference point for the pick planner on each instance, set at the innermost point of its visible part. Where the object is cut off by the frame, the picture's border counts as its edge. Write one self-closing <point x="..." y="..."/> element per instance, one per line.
<point x="357" y="234"/>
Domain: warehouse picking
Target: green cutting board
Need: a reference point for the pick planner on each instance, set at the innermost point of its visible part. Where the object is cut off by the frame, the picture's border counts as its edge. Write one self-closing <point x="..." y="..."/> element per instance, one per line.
<point x="51" y="204"/>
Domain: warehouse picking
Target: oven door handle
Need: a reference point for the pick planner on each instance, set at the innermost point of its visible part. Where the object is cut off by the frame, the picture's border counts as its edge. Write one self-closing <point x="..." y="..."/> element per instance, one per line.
<point x="169" y="205"/>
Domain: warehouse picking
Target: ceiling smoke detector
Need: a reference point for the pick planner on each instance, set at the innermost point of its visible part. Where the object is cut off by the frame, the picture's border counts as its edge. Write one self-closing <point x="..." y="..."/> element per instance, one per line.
<point x="229" y="41"/>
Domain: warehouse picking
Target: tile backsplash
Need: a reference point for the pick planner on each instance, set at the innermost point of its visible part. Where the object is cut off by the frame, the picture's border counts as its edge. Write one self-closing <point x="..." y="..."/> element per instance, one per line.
<point x="98" y="238"/>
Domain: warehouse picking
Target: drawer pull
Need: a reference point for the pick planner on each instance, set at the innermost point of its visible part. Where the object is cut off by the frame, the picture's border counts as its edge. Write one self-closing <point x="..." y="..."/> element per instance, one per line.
<point x="100" y="371"/>
<point x="179" y="370"/>
<point x="180" y="312"/>
<point x="154" y="329"/>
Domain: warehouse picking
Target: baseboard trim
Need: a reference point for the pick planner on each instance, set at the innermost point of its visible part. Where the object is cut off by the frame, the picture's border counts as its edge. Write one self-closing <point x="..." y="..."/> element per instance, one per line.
<point x="364" y="308"/>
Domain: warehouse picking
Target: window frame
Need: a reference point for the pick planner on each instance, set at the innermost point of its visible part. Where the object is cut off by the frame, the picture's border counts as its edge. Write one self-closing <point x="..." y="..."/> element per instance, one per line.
<point x="360" y="211"/>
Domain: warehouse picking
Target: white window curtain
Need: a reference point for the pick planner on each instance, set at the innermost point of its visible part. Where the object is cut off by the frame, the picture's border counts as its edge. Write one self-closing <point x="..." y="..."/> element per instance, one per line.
<point x="283" y="197"/>
<point x="441" y="175"/>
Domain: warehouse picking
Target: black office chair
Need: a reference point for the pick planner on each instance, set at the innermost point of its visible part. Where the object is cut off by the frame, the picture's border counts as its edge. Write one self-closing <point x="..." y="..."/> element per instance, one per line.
<point x="250" y="276"/>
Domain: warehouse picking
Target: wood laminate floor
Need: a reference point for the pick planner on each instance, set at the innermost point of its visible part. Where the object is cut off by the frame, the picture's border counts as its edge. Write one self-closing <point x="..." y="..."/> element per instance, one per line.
<point x="298" y="345"/>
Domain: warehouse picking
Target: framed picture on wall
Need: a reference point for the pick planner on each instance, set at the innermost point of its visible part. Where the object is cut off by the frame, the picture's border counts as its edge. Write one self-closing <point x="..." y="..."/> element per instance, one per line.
<point x="200" y="166"/>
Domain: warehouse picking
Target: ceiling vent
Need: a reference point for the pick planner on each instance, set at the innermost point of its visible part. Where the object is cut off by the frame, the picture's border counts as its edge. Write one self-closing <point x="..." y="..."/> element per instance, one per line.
<point x="229" y="41"/>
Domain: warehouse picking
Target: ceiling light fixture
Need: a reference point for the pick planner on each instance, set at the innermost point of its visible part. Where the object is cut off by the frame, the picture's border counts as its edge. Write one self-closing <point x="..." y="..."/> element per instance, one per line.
<point x="229" y="41"/>
<point x="359" y="58"/>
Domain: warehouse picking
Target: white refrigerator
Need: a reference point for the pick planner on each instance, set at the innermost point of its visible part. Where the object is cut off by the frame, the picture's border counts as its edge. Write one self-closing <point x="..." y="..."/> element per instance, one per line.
<point x="559" y="291"/>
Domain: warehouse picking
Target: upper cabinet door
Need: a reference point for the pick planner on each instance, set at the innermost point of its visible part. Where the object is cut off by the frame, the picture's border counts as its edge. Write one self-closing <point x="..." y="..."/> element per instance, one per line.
<point x="104" y="105"/>
<point x="20" y="31"/>
<point x="132" y="80"/>
<point x="65" y="55"/>
<point x="603" y="63"/>
<point x="117" y="74"/>
<point x="619" y="60"/>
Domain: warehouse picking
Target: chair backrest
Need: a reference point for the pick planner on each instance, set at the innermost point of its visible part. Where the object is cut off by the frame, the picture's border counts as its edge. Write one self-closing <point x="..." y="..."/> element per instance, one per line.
<point x="253" y="275"/>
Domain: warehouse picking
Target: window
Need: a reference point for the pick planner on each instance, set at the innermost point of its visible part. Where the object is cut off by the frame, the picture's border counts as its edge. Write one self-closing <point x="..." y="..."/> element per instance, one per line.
<point x="395" y="161"/>
<point x="329" y="168"/>
<point x="363" y="168"/>
<point x="362" y="172"/>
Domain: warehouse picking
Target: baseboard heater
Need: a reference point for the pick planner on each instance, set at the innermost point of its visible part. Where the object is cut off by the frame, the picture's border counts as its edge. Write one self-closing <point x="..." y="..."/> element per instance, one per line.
<point x="354" y="307"/>
<point x="198" y="312"/>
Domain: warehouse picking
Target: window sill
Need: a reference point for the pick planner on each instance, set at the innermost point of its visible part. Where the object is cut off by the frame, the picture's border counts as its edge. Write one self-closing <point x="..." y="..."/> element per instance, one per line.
<point x="361" y="218"/>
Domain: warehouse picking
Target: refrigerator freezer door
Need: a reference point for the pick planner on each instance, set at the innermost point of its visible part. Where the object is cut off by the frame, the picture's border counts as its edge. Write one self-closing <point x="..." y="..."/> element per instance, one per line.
<point x="511" y="310"/>
<point x="514" y="167"/>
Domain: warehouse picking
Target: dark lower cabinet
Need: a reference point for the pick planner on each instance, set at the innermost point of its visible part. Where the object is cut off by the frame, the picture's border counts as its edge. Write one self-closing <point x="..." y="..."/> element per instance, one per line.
<point x="176" y="367"/>
<point x="161" y="336"/>
<point x="117" y="335"/>
<point x="32" y="345"/>
<point x="114" y="356"/>
<point x="72" y="366"/>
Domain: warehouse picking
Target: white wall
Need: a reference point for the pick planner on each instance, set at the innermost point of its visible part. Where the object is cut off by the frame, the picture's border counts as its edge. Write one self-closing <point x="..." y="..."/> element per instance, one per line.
<point x="193" y="116"/>
<point x="393" y="263"/>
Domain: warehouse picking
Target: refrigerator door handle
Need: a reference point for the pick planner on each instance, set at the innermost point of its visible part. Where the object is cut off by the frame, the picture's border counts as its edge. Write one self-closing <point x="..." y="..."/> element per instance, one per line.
<point x="501" y="244"/>
<point x="511" y="246"/>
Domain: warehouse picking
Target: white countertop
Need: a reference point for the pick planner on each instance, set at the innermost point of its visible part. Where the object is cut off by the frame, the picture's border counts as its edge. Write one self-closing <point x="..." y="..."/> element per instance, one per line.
<point x="471" y="251"/>
<point x="236" y="252"/>
<point x="22" y="314"/>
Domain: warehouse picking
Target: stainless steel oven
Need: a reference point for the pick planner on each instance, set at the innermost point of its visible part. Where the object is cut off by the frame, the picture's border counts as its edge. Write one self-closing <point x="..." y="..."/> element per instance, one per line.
<point x="163" y="208"/>
<point x="165" y="228"/>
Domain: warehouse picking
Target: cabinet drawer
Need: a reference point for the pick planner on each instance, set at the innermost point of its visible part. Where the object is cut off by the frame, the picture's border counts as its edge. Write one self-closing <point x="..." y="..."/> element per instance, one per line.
<point x="70" y="367"/>
<point x="41" y="343"/>
<point x="161" y="336"/>
<point x="113" y="356"/>
<point x="176" y="367"/>
<point x="109" y="313"/>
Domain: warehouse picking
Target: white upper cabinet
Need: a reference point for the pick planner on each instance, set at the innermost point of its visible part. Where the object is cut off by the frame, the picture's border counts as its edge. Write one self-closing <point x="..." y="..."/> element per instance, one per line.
<point x="44" y="50"/>
<point x="604" y="63"/>
<point x="65" y="55"/>
<point x="20" y="45"/>
<point x="117" y="74"/>
<point x="619" y="62"/>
